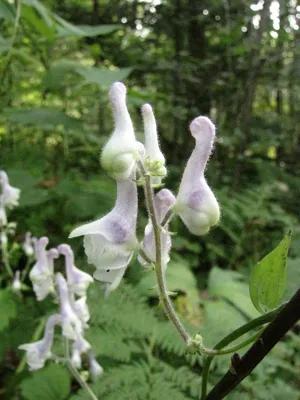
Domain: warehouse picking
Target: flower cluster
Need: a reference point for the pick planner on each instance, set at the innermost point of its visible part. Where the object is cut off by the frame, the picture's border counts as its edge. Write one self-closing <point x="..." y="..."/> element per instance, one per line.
<point x="110" y="242"/>
<point x="9" y="199"/>
<point x="70" y="292"/>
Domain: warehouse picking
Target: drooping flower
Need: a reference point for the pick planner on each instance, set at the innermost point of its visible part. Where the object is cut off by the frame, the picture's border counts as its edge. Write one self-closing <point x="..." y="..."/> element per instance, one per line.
<point x="10" y="194"/>
<point x="163" y="202"/>
<point x="76" y="358"/>
<point x="71" y="324"/>
<point x="39" y="352"/>
<point x="28" y="245"/>
<point x="155" y="160"/>
<point x="3" y="217"/>
<point x="95" y="368"/>
<point x="78" y="280"/>
<point x="121" y="151"/>
<point x="196" y="203"/>
<point x="82" y="311"/>
<point x="16" y="285"/>
<point x="110" y="241"/>
<point x="41" y="274"/>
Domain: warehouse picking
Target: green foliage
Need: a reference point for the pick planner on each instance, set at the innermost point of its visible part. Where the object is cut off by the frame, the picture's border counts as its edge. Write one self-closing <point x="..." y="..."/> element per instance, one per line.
<point x="8" y="309"/>
<point x="268" y="279"/>
<point x="50" y="383"/>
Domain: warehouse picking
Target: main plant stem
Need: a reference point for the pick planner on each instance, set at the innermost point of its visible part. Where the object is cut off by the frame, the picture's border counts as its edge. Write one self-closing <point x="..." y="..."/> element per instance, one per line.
<point x="76" y="374"/>
<point x="162" y="288"/>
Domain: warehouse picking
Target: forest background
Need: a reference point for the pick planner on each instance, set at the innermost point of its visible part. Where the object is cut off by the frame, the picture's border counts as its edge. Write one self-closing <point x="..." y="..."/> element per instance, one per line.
<point x="236" y="61"/>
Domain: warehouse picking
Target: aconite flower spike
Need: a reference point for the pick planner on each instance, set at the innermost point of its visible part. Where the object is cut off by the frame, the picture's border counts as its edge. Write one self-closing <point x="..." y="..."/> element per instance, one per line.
<point x="121" y="151"/>
<point x="196" y="204"/>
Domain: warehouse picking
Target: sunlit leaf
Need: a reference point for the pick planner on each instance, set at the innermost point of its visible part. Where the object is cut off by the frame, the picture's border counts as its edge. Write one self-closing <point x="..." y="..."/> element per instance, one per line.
<point x="268" y="280"/>
<point x="102" y="76"/>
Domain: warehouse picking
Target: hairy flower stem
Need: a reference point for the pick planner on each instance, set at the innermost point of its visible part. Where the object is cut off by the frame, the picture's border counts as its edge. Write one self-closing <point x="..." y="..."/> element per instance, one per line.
<point x="162" y="288"/>
<point x="75" y="372"/>
<point x="263" y="319"/>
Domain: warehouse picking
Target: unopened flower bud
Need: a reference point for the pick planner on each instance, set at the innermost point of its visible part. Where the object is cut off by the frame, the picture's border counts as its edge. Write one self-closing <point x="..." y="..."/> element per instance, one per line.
<point x="3" y="217"/>
<point x="28" y="245"/>
<point x="95" y="368"/>
<point x="121" y="151"/>
<point x="16" y="285"/>
<point x="10" y="194"/>
<point x="155" y="160"/>
<point x="196" y="203"/>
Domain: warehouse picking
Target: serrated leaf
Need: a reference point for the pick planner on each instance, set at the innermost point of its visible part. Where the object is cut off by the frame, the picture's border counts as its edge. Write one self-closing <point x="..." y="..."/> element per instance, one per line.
<point x="268" y="279"/>
<point x="50" y="383"/>
<point x="8" y="308"/>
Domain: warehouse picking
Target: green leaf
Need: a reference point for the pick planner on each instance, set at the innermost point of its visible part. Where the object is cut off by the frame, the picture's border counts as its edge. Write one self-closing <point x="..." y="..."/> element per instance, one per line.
<point x="6" y="11"/>
<point x="102" y="76"/>
<point x="8" y="309"/>
<point x="50" y="383"/>
<point x="268" y="279"/>
<point x="230" y="286"/>
<point x="85" y="30"/>
<point x="45" y="118"/>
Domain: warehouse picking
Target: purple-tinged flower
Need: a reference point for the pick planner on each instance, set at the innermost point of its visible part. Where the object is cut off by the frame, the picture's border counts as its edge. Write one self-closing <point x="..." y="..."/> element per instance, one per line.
<point x="16" y="285"/>
<point x="121" y="151"/>
<point x="71" y="324"/>
<point x="78" y="281"/>
<point x="10" y="194"/>
<point x="28" y="245"/>
<point x="163" y="202"/>
<point x="39" y="352"/>
<point x="41" y="274"/>
<point x="196" y="204"/>
<point x="155" y="160"/>
<point x="95" y="368"/>
<point x="110" y="241"/>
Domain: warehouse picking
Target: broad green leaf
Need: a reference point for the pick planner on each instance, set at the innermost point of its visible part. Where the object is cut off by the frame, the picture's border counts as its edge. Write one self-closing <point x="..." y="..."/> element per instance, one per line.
<point x="50" y="383"/>
<point x="268" y="279"/>
<point x="55" y="77"/>
<point x="44" y="118"/>
<point x="8" y="309"/>
<point x="102" y="76"/>
<point x="6" y="11"/>
<point x="38" y="21"/>
<point x="230" y="286"/>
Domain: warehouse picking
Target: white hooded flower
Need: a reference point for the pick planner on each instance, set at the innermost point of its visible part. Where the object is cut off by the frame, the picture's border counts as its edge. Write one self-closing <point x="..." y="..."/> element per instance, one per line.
<point x="121" y="151"/>
<point x="163" y="202"/>
<point x="155" y="160"/>
<point x="78" y="280"/>
<point x="81" y="309"/>
<point x="110" y="241"/>
<point x="95" y="368"/>
<point x="10" y="194"/>
<point x="39" y="352"/>
<point x="3" y="217"/>
<point x="71" y="324"/>
<point x="28" y="245"/>
<point x="16" y="285"/>
<point x="76" y="358"/>
<point x="196" y="203"/>
<point x="41" y="274"/>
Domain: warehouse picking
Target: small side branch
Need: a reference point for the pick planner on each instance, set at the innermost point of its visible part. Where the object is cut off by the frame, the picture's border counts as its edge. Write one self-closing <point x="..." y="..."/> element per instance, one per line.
<point x="242" y="367"/>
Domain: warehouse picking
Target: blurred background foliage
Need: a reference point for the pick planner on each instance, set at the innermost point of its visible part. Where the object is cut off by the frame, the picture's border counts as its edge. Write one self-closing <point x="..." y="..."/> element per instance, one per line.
<point x="237" y="61"/>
